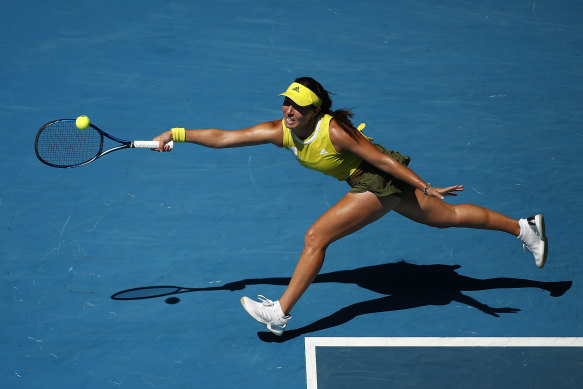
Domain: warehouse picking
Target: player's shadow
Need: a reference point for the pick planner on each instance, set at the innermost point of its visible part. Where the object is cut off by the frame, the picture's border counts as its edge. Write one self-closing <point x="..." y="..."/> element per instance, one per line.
<point x="406" y="285"/>
<point x="403" y="285"/>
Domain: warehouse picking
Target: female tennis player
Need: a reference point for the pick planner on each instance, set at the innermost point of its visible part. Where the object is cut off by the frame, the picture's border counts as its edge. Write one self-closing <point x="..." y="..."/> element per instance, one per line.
<point x="380" y="181"/>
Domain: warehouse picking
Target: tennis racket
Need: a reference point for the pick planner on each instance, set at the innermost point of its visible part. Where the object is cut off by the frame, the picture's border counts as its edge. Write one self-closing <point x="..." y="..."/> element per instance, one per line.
<point x="61" y="144"/>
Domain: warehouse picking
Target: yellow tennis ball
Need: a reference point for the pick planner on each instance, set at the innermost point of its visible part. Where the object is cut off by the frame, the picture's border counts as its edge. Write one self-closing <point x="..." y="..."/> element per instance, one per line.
<point x="82" y="122"/>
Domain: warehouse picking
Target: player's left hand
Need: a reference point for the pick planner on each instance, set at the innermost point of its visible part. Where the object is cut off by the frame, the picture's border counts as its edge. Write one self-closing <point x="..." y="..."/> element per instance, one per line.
<point x="440" y="193"/>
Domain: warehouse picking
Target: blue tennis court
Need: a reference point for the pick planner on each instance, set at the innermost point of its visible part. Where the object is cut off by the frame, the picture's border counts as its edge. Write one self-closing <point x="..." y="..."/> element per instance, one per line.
<point x="481" y="362"/>
<point x="487" y="94"/>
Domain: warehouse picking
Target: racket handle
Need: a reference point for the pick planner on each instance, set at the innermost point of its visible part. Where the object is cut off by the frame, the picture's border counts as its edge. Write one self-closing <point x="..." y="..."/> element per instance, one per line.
<point x="148" y="144"/>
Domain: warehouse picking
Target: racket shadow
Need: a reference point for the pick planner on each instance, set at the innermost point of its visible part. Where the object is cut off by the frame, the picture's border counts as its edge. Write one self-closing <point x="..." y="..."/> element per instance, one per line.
<point x="150" y="292"/>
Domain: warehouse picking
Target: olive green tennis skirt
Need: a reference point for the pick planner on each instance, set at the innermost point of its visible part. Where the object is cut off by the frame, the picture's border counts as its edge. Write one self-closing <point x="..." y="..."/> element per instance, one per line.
<point x="368" y="178"/>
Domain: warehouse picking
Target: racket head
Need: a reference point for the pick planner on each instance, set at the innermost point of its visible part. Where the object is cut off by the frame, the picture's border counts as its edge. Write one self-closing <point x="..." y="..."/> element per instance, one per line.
<point x="61" y="144"/>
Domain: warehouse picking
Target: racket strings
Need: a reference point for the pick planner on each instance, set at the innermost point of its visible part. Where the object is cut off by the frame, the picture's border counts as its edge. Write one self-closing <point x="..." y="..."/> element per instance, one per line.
<point x="63" y="144"/>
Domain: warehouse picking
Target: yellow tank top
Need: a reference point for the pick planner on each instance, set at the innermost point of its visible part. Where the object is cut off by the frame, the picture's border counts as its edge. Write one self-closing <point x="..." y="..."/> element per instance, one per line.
<point x="317" y="152"/>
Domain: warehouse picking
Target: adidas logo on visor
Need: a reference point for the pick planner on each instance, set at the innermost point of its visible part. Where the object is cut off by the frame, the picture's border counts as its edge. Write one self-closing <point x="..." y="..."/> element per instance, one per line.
<point x="296" y="89"/>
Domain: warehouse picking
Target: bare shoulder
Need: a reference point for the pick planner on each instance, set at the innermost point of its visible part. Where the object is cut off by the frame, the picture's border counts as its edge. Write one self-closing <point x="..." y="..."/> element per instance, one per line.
<point x="343" y="141"/>
<point x="271" y="132"/>
<point x="356" y="144"/>
<point x="273" y="125"/>
<point x="266" y="132"/>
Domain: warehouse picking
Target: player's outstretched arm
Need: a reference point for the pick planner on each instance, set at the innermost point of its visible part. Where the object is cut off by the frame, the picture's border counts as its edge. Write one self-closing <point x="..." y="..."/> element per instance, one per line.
<point x="267" y="132"/>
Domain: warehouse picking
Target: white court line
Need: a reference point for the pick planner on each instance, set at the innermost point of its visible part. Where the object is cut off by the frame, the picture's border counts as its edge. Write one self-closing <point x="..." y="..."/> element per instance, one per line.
<point x="312" y="343"/>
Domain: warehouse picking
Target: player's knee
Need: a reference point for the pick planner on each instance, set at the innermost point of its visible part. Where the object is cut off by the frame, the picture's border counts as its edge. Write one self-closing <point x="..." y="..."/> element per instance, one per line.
<point x="315" y="240"/>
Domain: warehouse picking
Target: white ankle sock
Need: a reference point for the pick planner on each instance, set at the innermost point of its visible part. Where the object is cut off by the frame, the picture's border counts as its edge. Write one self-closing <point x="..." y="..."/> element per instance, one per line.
<point x="279" y="311"/>
<point x="524" y="228"/>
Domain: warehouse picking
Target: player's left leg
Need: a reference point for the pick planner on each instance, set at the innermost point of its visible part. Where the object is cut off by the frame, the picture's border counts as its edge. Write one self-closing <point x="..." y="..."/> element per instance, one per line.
<point x="434" y="212"/>
<point x="437" y="213"/>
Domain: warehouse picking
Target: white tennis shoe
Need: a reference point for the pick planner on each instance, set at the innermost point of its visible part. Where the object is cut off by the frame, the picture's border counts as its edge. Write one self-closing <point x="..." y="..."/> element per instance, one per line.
<point x="267" y="312"/>
<point x="532" y="235"/>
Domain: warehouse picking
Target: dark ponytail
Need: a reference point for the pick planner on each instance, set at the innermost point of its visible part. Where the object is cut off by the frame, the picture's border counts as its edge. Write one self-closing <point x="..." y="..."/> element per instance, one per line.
<point x="341" y="116"/>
